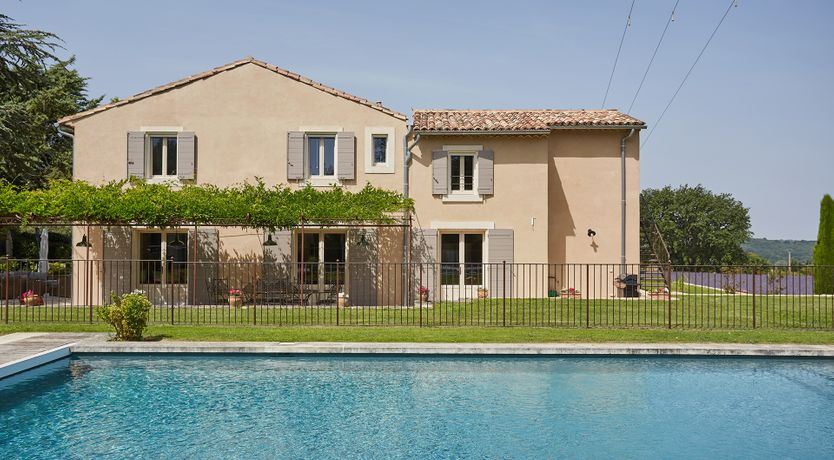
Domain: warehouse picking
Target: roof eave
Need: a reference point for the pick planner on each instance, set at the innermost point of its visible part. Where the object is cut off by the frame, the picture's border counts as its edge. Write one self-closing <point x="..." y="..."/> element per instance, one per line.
<point x="473" y="132"/>
<point x="638" y="126"/>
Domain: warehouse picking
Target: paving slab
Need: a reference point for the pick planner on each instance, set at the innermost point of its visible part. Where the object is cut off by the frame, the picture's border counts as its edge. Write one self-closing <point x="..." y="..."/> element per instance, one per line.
<point x="24" y="350"/>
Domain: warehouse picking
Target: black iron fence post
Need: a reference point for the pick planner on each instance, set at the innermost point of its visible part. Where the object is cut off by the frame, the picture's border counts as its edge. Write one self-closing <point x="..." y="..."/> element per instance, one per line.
<point x="6" y="295"/>
<point x="504" y="292"/>
<point x="587" y="296"/>
<point x="420" y="295"/>
<point x="255" y="293"/>
<point x="754" y="298"/>
<point x="338" y="293"/>
<point x="669" y="303"/>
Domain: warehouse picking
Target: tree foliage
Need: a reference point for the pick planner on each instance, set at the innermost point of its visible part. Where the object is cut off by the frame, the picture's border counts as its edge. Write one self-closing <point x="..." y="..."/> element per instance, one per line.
<point x="36" y="89"/>
<point x="161" y="205"/>
<point x="699" y="226"/>
<point x="824" y="249"/>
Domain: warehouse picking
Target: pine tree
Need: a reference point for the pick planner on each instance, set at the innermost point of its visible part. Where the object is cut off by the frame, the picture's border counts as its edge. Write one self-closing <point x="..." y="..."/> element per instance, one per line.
<point x="824" y="249"/>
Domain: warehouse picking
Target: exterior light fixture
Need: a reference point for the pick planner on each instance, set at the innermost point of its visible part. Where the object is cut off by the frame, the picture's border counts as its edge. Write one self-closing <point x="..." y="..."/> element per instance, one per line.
<point x="269" y="241"/>
<point x="84" y="243"/>
<point x="591" y="233"/>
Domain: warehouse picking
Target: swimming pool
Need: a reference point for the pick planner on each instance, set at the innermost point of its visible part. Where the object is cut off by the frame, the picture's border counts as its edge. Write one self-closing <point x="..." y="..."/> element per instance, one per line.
<point x="416" y="407"/>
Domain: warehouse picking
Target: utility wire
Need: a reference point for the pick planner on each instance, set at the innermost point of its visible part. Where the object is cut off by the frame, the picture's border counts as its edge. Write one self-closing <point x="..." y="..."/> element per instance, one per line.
<point x="620" y="48"/>
<point x="732" y="2"/>
<point x="669" y="21"/>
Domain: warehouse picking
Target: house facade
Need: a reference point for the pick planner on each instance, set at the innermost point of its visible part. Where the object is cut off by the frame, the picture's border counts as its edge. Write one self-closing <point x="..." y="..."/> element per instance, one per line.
<point x="490" y="186"/>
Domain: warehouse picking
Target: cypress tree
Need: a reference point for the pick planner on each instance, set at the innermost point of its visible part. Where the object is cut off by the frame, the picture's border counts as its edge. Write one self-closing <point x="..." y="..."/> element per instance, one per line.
<point x="824" y="249"/>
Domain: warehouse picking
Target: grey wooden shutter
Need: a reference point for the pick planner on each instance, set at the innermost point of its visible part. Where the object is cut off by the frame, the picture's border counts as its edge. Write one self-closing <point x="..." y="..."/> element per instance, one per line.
<point x="500" y="250"/>
<point x="136" y="154"/>
<point x="204" y="283"/>
<point x="117" y="261"/>
<point x="295" y="155"/>
<point x="439" y="172"/>
<point x="185" y="155"/>
<point x="346" y="155"/>
<point x="485" y="172"/>
<point x="278" y="259"/>
<point x="427" y="270"/>
<point x="363" y="270"/>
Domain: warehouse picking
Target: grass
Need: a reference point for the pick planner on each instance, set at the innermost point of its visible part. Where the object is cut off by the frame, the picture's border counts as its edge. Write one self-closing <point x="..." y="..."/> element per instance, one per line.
<point x="445" y="334"/>
<point x="684" y="311"/>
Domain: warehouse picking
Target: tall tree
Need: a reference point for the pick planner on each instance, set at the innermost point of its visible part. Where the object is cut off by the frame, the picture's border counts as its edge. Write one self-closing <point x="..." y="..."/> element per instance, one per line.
<point x="36" y="88"/>
<point x="824" y="249"/>
<point x="699" y="226"/>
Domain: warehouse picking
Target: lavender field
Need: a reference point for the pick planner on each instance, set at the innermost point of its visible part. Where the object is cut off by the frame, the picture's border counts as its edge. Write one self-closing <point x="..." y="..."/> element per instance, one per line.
<point x="773" y="284"/>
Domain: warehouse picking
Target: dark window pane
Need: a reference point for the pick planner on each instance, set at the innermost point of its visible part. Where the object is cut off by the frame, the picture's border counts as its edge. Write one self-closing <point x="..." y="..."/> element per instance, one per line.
<point x="334" y="258"/>
<point x="329" y="156"/>
<point x="311" y="257"/>
<point x="380" y="146"/>
<point x="450" y="259"/>
<point x="156" y="156"/>
<point x="473" y="256"/>
<point x="150" y="253"/>
<point x="468" y="171"/>
<point x="313" y="155"/>
<point x="176" y="255"/>
<point x="172" y="156"/>
<point x="455" y="165"/>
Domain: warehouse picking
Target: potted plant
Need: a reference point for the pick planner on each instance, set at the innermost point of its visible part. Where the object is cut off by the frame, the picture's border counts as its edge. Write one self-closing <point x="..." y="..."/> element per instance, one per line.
<point x="31" y="299"/>
<point x="342" y="300"/>
<point x="483" y="293"/>
<point x="235" y="298"/>
<point x="571" y="293"/>
<point x="424" y="294"/>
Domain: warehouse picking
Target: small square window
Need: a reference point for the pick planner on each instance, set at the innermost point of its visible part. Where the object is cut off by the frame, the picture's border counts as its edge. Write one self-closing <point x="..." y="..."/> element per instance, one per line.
<point x="380" y="149"/>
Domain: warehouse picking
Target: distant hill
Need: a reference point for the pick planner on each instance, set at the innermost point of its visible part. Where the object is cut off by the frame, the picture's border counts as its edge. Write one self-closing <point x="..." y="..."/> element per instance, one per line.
<point x="776" y="251"/>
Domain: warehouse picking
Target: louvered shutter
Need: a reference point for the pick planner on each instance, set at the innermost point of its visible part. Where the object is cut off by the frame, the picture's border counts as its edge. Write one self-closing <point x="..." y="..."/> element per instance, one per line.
<point x="204" y="279"/>
<point x="427" y="271"/>
<point x="500" y="249"/>
<point x="295" y="155"/>
<point x="439" y="172"/>
<point x="136" y="154"/>
<point x="485" y="172"/>
<point x="346" y="155"/>
<point x="185" y="155"/>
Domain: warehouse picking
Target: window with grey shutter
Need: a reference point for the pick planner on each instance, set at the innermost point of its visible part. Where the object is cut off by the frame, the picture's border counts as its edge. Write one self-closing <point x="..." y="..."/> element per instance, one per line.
<point x="346" y="155"/>
<point x="500" y="248"/>
<point x="136" y="154"/>
<point x="486" y="160"/>
<point x="185" y="155"/>
<point x="295" y="155"/>
<point x="439" y="167"/>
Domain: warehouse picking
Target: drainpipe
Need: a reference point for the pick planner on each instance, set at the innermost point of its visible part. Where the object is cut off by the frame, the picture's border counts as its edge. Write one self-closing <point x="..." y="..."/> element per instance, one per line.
<point x="407" y="232"/>
<point x="623" y="201"/>
<point x="63" y="133"/>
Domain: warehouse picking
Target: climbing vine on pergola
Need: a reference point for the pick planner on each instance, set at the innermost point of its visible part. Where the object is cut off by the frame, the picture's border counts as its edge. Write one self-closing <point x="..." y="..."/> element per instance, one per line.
<point x="163" y="205"/>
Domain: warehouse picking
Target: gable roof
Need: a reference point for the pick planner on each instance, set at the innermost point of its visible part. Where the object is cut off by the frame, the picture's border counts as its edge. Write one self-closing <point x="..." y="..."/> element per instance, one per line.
<point x="68" y="120"/>
<point x="519" y="121"/>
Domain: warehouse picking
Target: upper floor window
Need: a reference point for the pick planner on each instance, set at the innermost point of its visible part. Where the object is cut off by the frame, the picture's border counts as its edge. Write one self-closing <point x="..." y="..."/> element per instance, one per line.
<point x="462" y="172"/>
<point x="380" y="149"/>
<point x="163" y="155"/>
<point x="321" y="156"/>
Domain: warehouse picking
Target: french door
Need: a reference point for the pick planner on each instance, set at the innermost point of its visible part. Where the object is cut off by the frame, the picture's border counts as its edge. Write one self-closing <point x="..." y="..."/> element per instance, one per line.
<point x="461" y="264"/>
<point x="324" y="257"/>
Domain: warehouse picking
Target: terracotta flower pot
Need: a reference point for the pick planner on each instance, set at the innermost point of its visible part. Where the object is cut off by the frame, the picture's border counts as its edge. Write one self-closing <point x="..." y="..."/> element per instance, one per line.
<point x="33" y="300"/>
<point x="483" y="293"/>
<point x="235" y="300"/>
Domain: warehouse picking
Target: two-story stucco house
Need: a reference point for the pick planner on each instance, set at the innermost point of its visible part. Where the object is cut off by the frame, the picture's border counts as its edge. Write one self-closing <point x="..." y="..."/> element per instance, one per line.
<point x="490" y="186"/>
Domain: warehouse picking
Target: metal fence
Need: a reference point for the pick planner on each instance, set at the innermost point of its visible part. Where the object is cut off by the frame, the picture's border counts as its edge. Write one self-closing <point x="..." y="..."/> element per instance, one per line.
<point x="418" y="294"/>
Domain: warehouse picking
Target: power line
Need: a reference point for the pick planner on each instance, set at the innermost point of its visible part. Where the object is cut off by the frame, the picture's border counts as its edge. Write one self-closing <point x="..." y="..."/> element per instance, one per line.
<point x="730" y="6"/>
<point x="669" y="21"/>
<point x="622" y="39"/>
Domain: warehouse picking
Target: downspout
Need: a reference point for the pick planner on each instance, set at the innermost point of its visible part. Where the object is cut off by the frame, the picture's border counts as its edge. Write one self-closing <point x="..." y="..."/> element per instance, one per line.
<point x="407" y="232"/>
<point x="63" y="133"/>
<point x="623" y="201"/>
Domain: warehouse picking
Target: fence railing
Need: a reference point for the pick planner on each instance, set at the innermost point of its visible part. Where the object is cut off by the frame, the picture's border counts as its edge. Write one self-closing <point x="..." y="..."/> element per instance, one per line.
<point x="419" y="294"/>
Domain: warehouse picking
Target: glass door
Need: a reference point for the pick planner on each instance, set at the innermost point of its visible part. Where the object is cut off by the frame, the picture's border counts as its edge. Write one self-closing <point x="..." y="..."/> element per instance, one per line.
<point x="461" y="264"/>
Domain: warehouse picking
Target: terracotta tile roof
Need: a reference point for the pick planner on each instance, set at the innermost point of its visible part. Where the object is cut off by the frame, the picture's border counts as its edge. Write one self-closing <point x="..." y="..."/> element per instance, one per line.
<point x="68" y="120"/>
<point x="449" y="120"/>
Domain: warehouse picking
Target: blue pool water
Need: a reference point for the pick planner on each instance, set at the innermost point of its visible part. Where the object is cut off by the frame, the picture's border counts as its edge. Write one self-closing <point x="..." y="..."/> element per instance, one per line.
<point x="95" y="406"/>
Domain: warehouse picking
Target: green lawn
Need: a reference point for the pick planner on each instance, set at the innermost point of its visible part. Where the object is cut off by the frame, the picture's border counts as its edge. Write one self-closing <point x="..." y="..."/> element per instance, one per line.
<point x="445" y="334"/>
<point x="682" y="310"/>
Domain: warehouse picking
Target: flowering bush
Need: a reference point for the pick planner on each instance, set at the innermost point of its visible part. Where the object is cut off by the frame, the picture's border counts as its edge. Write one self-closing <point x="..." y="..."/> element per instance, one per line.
<point x="127" y="314"/>
<point x="235" y="292"/>
<point x="30" y="298"/>
<point x="423" y="290"/>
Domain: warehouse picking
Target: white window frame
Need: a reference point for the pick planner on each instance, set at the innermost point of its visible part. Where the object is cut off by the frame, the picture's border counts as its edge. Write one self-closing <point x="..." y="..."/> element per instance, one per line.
<point x="463" y="195"/>
<point x="296" y="249"/>
<point x="137" y="248"/>
<point x="388" y="167"/>
<point x="164" y="177"/>
<point x="321" y="180"/>
<point x="462" y="256"/>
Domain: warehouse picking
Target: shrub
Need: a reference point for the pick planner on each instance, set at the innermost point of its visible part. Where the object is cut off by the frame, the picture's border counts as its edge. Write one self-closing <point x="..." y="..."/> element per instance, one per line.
<point x="127" y="314"/>
<point x="824" y="249"/>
